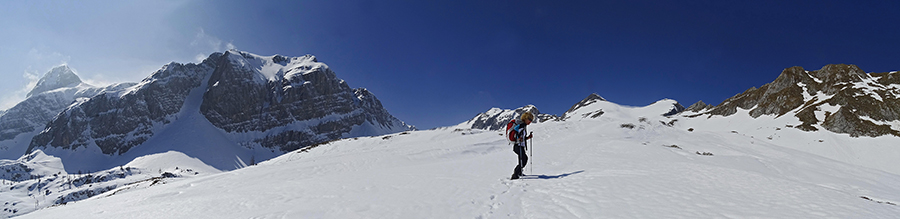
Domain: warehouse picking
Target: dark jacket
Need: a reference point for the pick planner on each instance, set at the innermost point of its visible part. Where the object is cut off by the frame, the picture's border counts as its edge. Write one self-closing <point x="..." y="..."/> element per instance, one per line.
<point x="521" y="131"/>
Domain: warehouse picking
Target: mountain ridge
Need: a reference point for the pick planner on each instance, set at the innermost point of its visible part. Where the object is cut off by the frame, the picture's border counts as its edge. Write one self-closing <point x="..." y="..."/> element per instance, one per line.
<point x="840" y="98"/>
<point x="266" y="105"/>
<point x="57" y="89"/>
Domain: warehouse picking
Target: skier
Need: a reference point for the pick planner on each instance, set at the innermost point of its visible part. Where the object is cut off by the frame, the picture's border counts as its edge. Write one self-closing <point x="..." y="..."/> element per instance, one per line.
<point x="519" y="130"/>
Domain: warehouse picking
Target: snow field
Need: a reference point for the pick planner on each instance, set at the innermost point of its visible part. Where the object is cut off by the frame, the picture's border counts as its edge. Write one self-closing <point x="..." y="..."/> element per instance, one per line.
<point x="52" y="186"/>
<point x="582" y="169"/>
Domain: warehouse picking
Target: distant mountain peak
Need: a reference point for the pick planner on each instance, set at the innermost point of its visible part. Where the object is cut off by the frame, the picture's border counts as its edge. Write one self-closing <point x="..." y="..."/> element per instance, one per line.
<point x="840" y="98"/>
<point x="58" y="77"/>
<point x="699" y="106"/>
<point x="496" y="118"/>
<point x="592" y="98"/>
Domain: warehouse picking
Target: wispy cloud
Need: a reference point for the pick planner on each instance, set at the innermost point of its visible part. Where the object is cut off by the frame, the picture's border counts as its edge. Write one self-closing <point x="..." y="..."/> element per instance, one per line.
<point x="207" y="44"/>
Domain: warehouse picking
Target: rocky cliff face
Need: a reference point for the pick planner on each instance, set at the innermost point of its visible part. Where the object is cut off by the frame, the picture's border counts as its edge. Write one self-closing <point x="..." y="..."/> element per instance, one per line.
<point x="273" y="102"/>
<point x="119" y="120"/>
<point x="251" y="93"/>
<point x="59" y="88"/>
<point x="839" y="98"/>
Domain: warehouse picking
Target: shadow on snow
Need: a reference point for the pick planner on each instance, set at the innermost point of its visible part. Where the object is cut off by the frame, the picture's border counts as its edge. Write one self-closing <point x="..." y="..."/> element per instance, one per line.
<point x="552" y="177"/>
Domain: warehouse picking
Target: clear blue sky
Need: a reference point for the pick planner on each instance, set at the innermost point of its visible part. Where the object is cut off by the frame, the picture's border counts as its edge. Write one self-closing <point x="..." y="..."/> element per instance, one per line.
<point x="438" y="63"/>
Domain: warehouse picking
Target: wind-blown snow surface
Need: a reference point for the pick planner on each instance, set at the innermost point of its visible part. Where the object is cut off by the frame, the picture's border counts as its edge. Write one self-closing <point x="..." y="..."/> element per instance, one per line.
<point x="37" y="181"/>
<point x="882" y="153"/>
<point x="583" y="168"/>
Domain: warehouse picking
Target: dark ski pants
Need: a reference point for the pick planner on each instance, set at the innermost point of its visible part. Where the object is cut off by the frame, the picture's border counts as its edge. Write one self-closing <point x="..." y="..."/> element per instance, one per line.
<point x="523" y="159"/>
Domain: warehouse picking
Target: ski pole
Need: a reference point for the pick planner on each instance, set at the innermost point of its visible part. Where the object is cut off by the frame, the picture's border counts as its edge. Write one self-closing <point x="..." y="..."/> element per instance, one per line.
<point x="532" y="153"/>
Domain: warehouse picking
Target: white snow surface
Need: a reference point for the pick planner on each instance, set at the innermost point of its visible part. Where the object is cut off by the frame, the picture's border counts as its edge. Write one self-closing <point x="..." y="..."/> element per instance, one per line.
<point x="48" y="183"/>
<point x="582" y="168"/>
<point x="270" y="70"/>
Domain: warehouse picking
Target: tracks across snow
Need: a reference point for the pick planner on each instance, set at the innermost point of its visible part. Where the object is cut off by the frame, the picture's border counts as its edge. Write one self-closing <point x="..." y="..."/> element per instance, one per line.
<point x="582" y="169"/>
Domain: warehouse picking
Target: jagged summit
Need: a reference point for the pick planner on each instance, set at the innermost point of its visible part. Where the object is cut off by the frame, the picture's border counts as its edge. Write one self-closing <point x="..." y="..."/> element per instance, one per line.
<point x="699" y="106"/>
<point x="58" y="89"/>
<point x="840" y="98"/>
<point x="58" y="77"/>
<point x="586" y="101"/>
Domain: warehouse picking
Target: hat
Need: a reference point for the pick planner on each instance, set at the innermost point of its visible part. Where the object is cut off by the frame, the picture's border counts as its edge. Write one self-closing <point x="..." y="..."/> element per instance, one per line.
<point x="527" y="116"/>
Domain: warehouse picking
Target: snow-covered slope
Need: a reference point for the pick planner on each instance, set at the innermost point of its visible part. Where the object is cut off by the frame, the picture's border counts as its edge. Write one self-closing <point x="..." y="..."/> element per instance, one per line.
<point x="38" y="181"/>
<point x="595" y="107"/>
<point x="839" y="112"/>
<point x="582" y="168"/>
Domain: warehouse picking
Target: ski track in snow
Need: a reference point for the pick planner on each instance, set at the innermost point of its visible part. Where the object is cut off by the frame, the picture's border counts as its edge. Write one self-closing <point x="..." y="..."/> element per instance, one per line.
<point x="582" y="169"/>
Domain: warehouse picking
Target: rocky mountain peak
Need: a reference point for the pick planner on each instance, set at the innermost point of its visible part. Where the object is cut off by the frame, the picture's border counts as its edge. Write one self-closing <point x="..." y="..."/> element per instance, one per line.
<point x="836" y="73"/>
<point x="699" y="106"/>
<point x="840" y="98"/>
<point x="58" y="77"/>
<point x="594" y="97"/>
<point x="252" y="102"/>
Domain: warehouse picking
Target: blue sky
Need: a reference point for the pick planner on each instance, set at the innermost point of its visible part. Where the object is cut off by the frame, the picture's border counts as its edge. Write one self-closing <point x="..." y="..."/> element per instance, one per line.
<point x="438" y="63"/>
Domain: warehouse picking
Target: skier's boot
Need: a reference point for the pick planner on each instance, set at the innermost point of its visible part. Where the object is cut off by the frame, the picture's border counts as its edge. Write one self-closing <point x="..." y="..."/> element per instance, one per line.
<point x="516" y="173"/>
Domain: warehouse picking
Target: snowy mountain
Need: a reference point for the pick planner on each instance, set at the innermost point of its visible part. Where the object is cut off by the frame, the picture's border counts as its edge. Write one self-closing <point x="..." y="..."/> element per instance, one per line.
<point x="594" y="106"/>
<point x="839" y="98"/>
<point x="58" y="77"/>
<point x="629" y="162"/>
<point x="839" y="112"/>
<point x="496" y="118"/>
<point x="232" y="109"/>
<point x="55" y="91"/>
<point x="155" y="150"/>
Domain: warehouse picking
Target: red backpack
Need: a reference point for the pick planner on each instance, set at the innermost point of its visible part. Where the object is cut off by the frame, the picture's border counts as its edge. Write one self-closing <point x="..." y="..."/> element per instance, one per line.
<point x="510" y="136"/>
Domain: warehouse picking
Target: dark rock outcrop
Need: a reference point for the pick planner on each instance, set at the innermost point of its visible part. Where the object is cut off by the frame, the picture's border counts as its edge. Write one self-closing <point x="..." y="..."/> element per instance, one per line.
<point x="699" y="106"/>
<point x="863" y="102"/>
<point x="590" y="99"/>
<point x="117" y="121"/>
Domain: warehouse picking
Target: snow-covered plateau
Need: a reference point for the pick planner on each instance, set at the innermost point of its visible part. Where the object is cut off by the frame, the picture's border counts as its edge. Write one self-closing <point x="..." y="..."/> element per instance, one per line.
<point x="628" y="162"/>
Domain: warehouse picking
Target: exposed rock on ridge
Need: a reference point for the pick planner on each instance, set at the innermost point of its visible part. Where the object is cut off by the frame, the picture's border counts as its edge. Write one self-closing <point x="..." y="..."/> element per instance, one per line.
<point x="117" y="121"/>
<point x="244" y="98"/>
<point x="699" y="106"/>
<point x="590" y="99"/>
<point x="55" y="91"/>
<point x="851" y="100"/>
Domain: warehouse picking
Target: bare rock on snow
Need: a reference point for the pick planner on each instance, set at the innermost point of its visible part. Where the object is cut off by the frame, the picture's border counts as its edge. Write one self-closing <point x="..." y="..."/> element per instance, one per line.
<point x="852" y="101"/>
